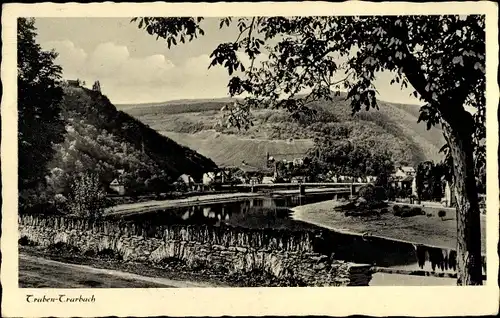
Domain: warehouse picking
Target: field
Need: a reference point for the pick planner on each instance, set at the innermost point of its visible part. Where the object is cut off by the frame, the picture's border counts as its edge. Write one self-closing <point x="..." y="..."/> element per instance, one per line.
<point x="231" y="150"/>
<point x="194" y="124"/>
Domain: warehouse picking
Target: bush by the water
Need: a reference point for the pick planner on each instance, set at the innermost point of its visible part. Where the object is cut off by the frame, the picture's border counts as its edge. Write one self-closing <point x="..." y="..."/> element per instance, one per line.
<point x="406" y="211"/>
<point x="396" y="210"/>
<point x="442" y="214"/>
<point x="372" y="193"/>
<point x="370" y="202"/>
<point x="361" y="207"/>
<point x="417" y="211"/>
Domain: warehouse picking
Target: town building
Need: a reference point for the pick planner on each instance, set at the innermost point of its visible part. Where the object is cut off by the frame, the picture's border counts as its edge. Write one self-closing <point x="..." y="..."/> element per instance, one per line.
<point x="299" y="179"/>
<point x="117" y="186"/>
<point x="298" y="162"/>
<point x="73" y="83"/>
<point x="403" y="172"/>
<point x="185" y="179"/>
<point x="268" y="180"/>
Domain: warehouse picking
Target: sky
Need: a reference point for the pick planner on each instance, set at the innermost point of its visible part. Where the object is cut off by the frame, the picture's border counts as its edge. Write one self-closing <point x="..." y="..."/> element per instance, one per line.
<point x="134" y="67"/>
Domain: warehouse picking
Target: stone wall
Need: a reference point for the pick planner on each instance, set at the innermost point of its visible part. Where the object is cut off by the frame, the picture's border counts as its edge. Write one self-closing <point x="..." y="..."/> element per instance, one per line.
<point x="284" y="254"/>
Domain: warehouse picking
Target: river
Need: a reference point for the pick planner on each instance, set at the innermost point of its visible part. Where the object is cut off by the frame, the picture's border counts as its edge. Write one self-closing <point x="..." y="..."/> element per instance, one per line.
<point x="275" y="212"/>
<point x="258" y="212"/>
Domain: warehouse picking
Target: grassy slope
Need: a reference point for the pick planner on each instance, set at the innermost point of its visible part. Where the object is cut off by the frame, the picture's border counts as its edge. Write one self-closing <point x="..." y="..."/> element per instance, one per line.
<point x="100" y="136"/>
<point x="232" y="150"/>
<point x="393" y="127"/>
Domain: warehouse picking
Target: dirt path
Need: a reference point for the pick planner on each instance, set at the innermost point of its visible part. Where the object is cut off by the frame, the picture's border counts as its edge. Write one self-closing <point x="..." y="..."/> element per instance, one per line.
<point x="37" y="272"/>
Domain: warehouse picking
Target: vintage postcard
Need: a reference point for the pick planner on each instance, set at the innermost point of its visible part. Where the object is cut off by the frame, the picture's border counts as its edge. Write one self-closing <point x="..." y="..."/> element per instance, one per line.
<point x="250" y="159"/>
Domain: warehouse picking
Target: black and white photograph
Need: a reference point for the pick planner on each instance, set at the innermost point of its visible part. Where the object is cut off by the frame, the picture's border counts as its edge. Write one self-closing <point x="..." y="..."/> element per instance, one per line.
<point x="231" y="151"/>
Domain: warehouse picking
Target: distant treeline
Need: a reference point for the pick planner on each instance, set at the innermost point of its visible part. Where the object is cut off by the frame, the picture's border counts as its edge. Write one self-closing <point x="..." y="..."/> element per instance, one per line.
<point x="175" y="108"/>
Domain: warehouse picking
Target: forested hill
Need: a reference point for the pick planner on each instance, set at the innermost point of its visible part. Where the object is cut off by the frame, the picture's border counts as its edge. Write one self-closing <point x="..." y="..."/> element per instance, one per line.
<point x="394" y="127"/>
<point x="101" y="139"/>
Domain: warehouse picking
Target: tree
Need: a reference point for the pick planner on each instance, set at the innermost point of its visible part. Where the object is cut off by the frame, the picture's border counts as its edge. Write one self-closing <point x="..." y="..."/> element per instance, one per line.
<point x="39" y="122"/>
<point x="87" y="198"/>
<point x="382" y="179"/>
<point x="429" y="181"/>
<point x="425" y="180"/>
<point x="345" y="158"/>
<point x="442" y="57"/>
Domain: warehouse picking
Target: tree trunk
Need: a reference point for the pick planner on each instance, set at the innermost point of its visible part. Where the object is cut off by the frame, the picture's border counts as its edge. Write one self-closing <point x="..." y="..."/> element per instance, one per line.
<point x="458" y="134"/>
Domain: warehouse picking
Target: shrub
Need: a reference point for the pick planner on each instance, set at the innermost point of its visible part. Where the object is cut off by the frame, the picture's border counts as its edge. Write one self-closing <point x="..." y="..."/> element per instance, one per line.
<point x="24" y="241"/>
<point x="87" y="198"/>
<point x="171" y="262"/>
<point x="384" y="210"/>
<point x="108" y="253"/>
<point x="372" y="193"/>
<point x="417" y="211"/>
<point x="442" y="214"/>
<point x="396" y="210"/>
<point x="367" y="192"/>
<point x="63" y="248"/>
<point x="380" y="193"/>
<point x="406" y="211"/>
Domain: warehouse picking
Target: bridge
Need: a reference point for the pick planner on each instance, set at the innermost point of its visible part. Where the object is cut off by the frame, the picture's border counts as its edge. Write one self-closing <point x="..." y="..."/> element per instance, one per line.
<point x="344" y="187"/>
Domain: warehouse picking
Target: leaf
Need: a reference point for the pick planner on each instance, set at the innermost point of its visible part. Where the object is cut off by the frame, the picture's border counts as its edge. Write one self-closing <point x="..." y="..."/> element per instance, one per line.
<point x="458" y="59"/>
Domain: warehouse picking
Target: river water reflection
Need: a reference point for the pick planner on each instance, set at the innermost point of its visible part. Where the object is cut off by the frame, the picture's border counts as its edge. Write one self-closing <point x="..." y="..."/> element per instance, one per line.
<point x="260" y="212"/>
<point x="275" y="212"/>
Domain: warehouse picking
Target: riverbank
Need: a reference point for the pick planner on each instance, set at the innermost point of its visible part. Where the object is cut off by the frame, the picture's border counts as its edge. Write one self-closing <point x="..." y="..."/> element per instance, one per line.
<point x="421" y="229"/>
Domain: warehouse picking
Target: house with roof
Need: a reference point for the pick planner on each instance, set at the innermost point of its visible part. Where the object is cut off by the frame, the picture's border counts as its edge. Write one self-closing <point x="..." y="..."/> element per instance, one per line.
<point x="185" y="179"/>
<point x="299" y="179"/>
<point x="117" y="186"/>
<point x="267" y="180"/>
<point x="403" y="172"/>
<point x="73" y="83"/>
<point x="298" y="161"/>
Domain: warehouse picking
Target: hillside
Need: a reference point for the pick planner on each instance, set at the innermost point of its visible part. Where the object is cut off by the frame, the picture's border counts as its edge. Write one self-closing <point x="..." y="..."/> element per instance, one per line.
<point x="101" y="139"/>
<point x="230" y="150"/>
<point x="394" y="127"/>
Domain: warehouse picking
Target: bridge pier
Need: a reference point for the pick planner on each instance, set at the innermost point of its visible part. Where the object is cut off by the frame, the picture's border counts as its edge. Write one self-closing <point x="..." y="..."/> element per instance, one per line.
<point x="302" y="189"/>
